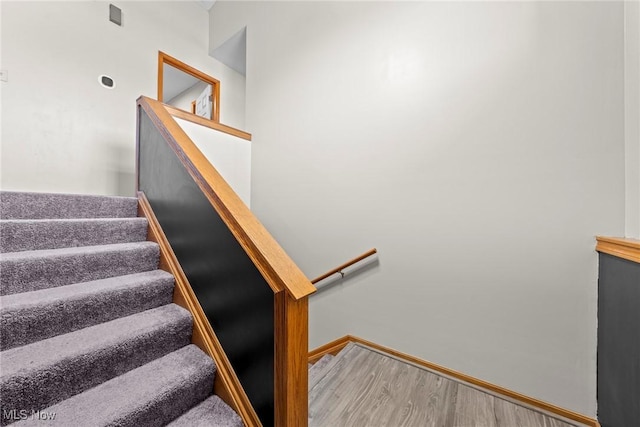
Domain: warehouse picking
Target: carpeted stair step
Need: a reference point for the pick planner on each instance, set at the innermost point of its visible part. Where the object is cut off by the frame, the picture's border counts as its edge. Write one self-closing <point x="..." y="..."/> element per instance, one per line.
<point x="211" y="412"/>
<point x="36" y="234"/>
<point x="149" y="396"/>
<point x="38" y="375"/>
<point x="31" y="316"/>
<point x="23" y="205"/>
<point x="34" y="270"/>
<point x="317" y="370"/>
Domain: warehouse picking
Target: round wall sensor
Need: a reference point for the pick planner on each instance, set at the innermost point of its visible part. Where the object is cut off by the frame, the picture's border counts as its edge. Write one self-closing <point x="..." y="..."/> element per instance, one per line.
<point x="107" y="82"/>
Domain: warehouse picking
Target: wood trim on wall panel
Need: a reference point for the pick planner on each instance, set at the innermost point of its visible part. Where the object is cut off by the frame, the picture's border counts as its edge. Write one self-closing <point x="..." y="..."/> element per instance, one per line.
<point x="216" y="103"/>
<point x="176" y="112"/>
<point x="160" y="87"/>
<point x="226" y="384"/>
<point x="279" y="271"/>
<point x="291" y="318"/>
<point x="620" y="247"/>
<point x="548" y="407"/>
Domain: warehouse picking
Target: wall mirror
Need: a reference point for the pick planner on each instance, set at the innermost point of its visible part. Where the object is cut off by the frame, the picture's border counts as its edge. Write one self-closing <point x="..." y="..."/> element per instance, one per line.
<point x="187" y="89"/>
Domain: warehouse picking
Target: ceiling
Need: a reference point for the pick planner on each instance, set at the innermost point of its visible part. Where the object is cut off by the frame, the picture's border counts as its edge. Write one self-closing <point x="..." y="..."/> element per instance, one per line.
<point x="232" y="53"/>
<point x="206" y="4"/>
<point x="174" y="81"/>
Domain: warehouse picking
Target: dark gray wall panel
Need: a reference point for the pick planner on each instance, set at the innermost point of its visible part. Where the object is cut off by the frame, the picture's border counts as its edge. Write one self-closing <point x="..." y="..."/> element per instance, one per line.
<point x="235" y="297"/>
<point x="618" y="342"/>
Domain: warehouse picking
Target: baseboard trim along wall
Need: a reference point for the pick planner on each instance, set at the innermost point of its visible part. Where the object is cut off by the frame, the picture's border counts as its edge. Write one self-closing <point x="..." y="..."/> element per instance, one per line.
<point x="335" y="346"/>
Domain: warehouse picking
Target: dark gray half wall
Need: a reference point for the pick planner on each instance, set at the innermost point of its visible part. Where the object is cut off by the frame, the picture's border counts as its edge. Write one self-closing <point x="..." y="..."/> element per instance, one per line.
<point x="233" y="294"/>
<point x="618" y="342"/>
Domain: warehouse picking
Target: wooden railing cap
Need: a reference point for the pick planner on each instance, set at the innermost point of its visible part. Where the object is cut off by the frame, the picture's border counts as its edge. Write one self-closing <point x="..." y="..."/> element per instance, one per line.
<point x="176" y="112"/>
<point x="621" y="247"/>
<point x="279" y="271"/>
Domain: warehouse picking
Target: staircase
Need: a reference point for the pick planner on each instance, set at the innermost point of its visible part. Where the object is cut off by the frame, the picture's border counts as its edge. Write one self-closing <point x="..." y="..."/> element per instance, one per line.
<point x="89" y="334"/>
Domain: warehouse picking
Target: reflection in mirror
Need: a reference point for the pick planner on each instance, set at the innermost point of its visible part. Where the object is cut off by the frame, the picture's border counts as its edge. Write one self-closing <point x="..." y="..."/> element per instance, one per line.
<point x="186" y="88"/>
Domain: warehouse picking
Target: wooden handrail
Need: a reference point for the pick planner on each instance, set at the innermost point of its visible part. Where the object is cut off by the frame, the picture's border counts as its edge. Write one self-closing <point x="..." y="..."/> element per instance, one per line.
<point x="341" y="267"/>
<point x="280" y="272"/>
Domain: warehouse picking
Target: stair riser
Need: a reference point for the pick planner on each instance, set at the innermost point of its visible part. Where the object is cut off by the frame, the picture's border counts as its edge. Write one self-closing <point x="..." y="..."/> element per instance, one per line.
<point x="18" y="205"/>
<point x="42" y="234"/>
<point x="34" y="389"/>
<point x="25" y="275"/>
<point x="27" y="323"/>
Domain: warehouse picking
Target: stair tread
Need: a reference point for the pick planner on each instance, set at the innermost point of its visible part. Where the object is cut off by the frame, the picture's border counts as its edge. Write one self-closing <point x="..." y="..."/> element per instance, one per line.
<point x="5" y="221"/>
<point x="46" y="268"/>
<point x="86" y="340"/>
<point x="317" y="370"/>
<point x="318" y="375"/>
<point x="324" y="360"/>
<point x="37" y="234"/>
<point x="150" y="389"/>
<point x="212" y="412"/>
<point x="22" y="205"/>
<point x="77" y="290"/>
<point x="71" y="251"/>
<point x="320" y="368"/>
<point x="70" y="363"/>
<point x="41" y="314"/>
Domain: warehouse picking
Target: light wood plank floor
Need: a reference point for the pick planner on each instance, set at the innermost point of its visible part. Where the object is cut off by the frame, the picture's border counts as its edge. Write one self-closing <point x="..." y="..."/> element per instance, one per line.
<point x="392" y="393"/>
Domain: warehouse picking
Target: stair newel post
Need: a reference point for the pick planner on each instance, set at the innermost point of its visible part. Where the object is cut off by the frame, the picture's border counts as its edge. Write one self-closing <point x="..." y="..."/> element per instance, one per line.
<point x="291" y="369"/>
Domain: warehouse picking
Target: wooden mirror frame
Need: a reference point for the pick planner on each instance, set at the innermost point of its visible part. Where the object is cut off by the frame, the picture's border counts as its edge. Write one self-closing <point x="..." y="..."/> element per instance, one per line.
<point x="163" y="58"/>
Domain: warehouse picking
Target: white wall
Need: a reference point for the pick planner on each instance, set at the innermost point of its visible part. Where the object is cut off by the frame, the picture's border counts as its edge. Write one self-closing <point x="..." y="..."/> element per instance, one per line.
<point x="479" y="146"/>
<point x="230" y="155"/>
<point x="632" y="117"/>
<point x="62" y="131"/>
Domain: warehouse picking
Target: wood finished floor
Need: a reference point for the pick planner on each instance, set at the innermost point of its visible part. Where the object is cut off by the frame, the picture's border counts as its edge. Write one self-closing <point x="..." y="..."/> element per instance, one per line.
<point x="396" y="394"/>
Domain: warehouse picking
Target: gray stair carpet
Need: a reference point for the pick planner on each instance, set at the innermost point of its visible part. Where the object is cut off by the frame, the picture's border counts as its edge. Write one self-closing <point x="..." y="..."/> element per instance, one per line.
<point x="22" y="205"/>
<point x="33" y="316"/>
<point x="156" y="393"/>
<point x="34" y="234"/>
<point x="42" y="373"/>
<point x="211" y="412"/>
<point x="34" y="270"/>
<point x="89" y="336"/>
